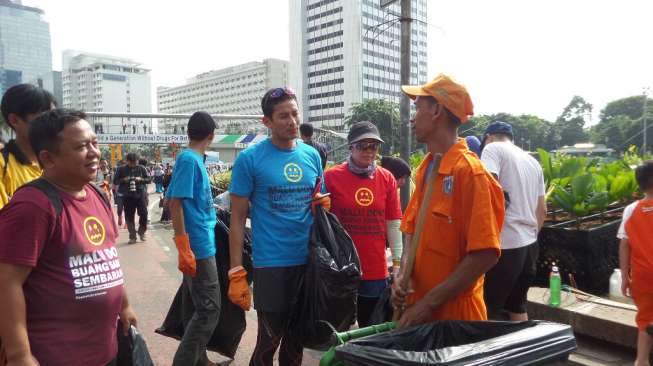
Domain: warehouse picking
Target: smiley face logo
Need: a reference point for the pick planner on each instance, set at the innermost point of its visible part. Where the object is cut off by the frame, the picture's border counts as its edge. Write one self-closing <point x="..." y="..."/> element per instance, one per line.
<point x="364" y="197"/>
<point x="293" y="172"/>
<point x="94" y="231"/>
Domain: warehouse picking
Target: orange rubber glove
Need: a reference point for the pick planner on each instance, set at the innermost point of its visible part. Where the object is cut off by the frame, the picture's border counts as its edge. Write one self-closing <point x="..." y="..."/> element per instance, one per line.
<point x="320" y="199"/>
<point x="239" y="289"/>
<point x="187" y="264"/>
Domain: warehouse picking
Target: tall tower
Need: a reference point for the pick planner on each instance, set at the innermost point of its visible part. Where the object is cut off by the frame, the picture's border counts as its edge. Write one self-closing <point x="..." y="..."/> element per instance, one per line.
<point x="343" y="52"/>
<point x="25" y="51"/>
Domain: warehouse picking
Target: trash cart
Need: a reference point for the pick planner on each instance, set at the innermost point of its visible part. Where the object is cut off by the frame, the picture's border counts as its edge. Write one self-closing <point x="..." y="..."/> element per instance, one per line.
<point x="461" y="343"/>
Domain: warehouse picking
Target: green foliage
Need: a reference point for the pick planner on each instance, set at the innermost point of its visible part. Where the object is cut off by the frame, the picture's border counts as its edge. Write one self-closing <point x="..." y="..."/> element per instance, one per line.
<point x="582" y="186"/>
<point x="385" y="115"/>
<point x="221" y="180"/>
<point x="621" y="123"/>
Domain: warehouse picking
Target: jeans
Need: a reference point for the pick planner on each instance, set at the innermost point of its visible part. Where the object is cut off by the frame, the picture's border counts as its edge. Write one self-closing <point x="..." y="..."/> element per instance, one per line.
<point x="205" y="293"/>
<point x="132" y="205"/>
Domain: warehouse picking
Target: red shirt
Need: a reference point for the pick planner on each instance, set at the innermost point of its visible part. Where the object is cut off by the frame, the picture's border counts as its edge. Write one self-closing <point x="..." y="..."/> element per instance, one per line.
<point x="638" y="228"/>
<point x="74" y="292"/>
<point x="363" y="205"/>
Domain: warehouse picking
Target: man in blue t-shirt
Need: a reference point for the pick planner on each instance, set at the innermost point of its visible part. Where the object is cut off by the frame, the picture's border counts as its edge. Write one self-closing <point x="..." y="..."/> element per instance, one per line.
<point x="193" y="219"/>
<point x="278" y="177"/>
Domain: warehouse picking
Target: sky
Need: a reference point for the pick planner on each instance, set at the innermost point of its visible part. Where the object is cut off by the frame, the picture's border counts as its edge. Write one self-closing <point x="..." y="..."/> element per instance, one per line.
<point x="514" y="56"/>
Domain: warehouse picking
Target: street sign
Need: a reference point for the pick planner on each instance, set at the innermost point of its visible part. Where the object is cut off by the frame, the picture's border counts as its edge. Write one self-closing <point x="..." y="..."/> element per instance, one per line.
<point x="386" y="3"/>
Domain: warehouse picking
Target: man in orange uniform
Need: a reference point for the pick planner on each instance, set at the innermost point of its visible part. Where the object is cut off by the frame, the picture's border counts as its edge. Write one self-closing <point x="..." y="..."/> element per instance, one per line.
<point x="462" y="223"/>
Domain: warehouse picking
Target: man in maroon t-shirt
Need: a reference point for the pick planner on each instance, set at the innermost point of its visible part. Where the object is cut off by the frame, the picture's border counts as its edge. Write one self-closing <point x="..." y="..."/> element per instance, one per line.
<point x="60" y="277"/>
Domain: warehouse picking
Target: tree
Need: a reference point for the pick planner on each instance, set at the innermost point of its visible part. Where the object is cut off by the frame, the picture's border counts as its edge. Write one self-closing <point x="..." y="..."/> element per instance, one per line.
<point x="385" y="115"/>
<point x="620" y="123"/>
<point x="571" y="122"/>
<point x="530" y="132"/>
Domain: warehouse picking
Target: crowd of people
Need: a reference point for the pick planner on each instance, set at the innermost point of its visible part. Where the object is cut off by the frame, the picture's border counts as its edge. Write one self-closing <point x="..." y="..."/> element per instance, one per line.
<point x="464" y="248"/>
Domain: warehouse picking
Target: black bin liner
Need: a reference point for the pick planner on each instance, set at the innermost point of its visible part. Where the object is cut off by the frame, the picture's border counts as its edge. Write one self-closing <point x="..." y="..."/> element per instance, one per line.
<point x="463" y="343"/>
<point x="231" y="326"/>
<point x="132" y="350"/>
<point x="330" y="286"/>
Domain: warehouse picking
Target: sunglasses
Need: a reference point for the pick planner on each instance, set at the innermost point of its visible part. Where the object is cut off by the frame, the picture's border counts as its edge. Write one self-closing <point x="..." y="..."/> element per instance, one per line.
<point x="362" y="145"/>
<point x="278" y="93"/>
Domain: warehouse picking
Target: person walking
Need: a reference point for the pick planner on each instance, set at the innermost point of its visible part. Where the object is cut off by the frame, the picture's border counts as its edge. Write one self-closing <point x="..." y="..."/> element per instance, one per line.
<point x="193" y="221"/>
<point x="277" y="176"/>
<point x="157" y="174"/>
<point x="132" y="180"/>
<point x="20" y="105"/>
<point x="60" y="276"/>
<point x="306" y="133"/>
<point x="457" y="234"/>
<point x="364" y="199"/>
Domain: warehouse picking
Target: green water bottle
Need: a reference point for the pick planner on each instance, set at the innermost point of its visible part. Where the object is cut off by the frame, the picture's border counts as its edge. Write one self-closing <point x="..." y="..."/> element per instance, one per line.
<point x="555" y="284"/>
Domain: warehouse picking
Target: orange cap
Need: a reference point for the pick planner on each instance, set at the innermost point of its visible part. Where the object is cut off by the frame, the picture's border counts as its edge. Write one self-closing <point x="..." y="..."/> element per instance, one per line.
<point x="447" y="92"/>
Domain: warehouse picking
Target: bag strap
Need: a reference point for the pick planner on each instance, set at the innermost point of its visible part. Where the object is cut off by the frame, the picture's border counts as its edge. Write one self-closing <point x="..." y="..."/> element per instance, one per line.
<point x="5" y="156"/>
<point x="102" y="194"/>
<point x="50" y="191"/>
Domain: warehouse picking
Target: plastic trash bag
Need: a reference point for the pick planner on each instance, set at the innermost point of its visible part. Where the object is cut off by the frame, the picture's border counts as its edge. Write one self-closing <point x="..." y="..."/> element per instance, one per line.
<point x="231" y="325"/>
<point x="330" y="285"/>
<point x="463" y="343"/>
<point x="132" y="350"/>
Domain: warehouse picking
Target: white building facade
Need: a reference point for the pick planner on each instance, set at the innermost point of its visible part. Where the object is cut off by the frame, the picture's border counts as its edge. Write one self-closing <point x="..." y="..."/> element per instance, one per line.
<point x="233" y="90"/>
<point x="101" y="83"/>
<point x="343" y="52"/>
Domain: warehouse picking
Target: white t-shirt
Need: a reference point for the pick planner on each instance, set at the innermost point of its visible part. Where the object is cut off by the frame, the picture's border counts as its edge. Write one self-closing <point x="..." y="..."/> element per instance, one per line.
<point x="521" y="176"/>
<point x="628" y="212"/>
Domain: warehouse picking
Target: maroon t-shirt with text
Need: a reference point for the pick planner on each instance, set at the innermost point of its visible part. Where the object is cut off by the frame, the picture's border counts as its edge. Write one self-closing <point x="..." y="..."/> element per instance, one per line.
<point x="74" y="292"/>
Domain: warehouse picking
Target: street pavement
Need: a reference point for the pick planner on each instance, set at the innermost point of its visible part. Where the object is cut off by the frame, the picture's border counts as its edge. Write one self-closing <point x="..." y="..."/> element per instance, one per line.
<point x="152" y="279"/>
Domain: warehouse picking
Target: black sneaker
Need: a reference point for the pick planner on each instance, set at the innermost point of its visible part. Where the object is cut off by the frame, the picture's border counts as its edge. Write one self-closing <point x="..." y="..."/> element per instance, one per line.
<point x="132" y="241"/>
<point x="142" y="237"/>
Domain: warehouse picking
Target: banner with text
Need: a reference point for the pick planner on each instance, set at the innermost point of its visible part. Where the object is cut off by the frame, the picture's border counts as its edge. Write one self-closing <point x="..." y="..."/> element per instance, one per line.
<point x="115" y="138"/>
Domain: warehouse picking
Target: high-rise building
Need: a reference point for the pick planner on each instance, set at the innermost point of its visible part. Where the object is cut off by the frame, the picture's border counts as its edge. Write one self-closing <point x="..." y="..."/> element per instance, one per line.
<point x="25" y="53"/>
<point x="233" y="90"/>
<point x="101" y="83"/>
<point x="345" y="51"/>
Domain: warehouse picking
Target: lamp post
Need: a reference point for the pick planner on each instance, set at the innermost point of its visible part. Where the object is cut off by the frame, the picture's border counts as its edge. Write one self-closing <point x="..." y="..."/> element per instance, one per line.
<point x="644" y="147"/>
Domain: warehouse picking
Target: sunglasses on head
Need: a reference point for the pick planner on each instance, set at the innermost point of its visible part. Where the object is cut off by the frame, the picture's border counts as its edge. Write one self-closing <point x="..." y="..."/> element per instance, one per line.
<point x="278" y="93"/>
<point x="362" y="145"/>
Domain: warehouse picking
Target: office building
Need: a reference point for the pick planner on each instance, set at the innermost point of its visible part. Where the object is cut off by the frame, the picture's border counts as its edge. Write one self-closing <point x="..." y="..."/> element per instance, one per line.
<point x="233" y="90"/>
<point x="343" y="52"/>
<point x="25" y="53"/>
<point x="101" y="83"/>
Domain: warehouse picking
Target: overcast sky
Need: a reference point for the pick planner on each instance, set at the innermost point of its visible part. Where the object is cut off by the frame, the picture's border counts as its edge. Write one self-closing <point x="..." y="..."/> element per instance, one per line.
<point x="515" y="56"/>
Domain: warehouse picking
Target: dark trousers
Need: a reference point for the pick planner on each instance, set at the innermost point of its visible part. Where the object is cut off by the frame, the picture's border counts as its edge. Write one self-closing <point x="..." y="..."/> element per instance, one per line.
<point x="364" y="310"/>
<point x="131" y="206"/>
<point x="205" y="293"/>
<point x="272" y="331"/>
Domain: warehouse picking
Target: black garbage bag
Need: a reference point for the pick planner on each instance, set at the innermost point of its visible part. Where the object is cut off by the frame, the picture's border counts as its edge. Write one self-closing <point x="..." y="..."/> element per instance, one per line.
<point x="231" y="326"/>
<point x="132" y="350"/>
<point x="329" y="290"/>
<point x="463" y="343"/>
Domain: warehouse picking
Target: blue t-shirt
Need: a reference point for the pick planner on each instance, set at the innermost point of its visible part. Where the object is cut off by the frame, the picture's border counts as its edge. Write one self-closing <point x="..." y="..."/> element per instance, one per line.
<point x="190" y="182"/>
<point x="279" y="184"/>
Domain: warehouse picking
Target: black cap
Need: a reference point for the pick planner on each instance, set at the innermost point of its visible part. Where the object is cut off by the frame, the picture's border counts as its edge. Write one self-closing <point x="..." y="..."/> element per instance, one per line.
<point x="397" y="166"/>
<point x="363" y="130"/>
